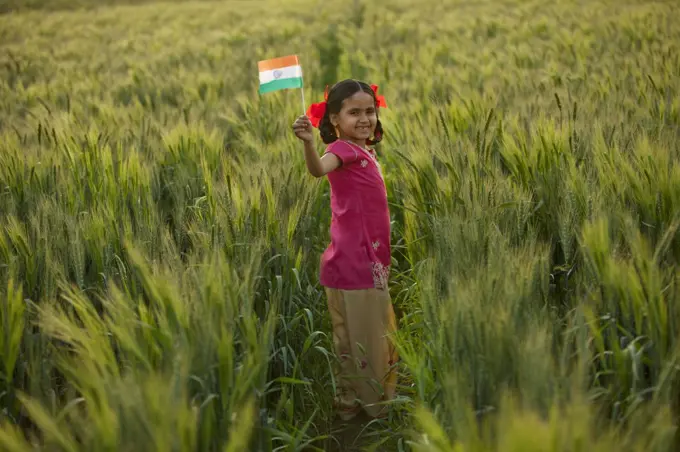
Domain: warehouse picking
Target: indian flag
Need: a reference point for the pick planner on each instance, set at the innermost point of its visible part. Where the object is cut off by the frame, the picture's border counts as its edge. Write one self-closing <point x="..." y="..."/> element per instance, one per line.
<point x="280" y="73"/>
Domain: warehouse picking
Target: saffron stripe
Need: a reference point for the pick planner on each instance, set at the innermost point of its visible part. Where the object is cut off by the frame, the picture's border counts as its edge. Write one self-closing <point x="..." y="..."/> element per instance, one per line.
<point x="277" y="63"/>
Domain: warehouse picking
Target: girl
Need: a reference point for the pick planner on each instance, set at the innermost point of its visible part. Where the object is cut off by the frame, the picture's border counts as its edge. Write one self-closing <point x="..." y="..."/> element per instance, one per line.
<point x="355" y="266"/>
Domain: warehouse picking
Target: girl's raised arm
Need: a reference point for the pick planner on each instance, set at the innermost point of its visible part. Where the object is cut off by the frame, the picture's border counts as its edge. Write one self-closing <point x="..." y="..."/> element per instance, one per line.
<point x="320" y="166"/>
<point x="317" y="166"/>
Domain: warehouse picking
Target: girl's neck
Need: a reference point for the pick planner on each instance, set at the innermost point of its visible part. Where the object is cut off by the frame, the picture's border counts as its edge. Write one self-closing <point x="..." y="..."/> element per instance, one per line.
<point x="361" y="145"/>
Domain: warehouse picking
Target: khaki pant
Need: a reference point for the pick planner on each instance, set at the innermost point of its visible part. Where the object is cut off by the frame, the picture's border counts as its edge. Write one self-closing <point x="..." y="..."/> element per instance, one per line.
<point x="362" y="321"/>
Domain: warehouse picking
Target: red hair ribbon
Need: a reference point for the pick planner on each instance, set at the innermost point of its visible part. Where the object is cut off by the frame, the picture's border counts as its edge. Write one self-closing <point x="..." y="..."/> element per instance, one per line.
<point x="316" y="111"/>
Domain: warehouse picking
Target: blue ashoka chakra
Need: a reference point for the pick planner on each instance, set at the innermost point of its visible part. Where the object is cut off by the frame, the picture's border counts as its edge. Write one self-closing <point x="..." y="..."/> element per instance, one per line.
<point x="277" y="74"/>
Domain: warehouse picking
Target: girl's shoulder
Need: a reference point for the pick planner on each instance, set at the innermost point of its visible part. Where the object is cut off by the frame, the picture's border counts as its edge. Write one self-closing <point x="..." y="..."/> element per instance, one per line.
<point x="345" y="151"/>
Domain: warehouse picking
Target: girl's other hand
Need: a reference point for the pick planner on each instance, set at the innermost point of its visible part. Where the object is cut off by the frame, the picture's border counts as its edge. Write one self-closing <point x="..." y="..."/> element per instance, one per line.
<point x="303" y="129"/>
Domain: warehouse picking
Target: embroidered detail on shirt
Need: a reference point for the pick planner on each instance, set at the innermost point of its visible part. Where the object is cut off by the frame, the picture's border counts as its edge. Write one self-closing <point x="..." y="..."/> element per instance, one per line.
<point x="364" y="151"/>
<point x="381" y="275"/>
<point x="376" y="244"/>
<point x="364" y="163"/>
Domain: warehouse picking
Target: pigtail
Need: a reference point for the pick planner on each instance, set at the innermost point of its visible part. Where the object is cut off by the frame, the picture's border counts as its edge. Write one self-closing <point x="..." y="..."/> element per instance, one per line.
<point x="377" y="135"/>
<point x="326" y="129"/>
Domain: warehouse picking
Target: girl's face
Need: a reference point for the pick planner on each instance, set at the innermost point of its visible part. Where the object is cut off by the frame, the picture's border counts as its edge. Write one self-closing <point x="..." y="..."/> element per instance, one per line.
<point x="357" y="119"/>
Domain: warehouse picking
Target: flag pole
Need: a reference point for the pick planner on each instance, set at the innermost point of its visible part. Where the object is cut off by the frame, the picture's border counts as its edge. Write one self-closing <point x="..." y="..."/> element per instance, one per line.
<point x="302" y="92"/>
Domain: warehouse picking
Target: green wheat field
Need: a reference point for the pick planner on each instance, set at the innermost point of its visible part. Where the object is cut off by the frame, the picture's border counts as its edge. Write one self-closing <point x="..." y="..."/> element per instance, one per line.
<point x="160" y="236"/>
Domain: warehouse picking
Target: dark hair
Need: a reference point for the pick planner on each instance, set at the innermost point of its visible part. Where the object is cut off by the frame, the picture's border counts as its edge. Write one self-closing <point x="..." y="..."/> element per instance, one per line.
<point x="336" y="96"/>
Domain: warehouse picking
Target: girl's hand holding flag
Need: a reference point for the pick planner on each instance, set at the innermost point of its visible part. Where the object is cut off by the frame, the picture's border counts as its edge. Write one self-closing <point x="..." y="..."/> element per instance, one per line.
<point x="303" y="129"/>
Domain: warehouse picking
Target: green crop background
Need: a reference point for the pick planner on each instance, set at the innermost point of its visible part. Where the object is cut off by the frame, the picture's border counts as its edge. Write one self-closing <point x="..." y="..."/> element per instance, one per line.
<point x="160" y="237"/>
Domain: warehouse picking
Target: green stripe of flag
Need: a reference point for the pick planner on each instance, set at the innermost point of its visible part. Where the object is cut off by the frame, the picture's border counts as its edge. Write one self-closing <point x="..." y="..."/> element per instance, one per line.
<point x="281" y="84"/>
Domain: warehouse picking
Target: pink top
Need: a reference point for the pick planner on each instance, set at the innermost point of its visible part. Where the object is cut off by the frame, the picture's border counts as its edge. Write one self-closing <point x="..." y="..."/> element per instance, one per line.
<point x="359" y="254"/>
